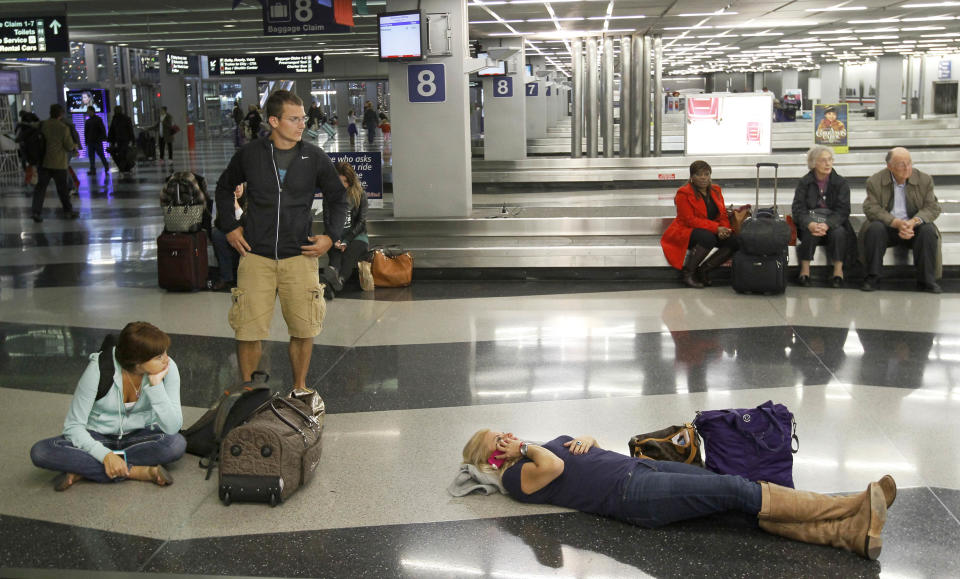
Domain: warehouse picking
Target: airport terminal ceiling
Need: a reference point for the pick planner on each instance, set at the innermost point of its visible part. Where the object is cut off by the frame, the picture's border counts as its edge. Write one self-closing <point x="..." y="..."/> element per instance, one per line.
<point x="699" y="35"/>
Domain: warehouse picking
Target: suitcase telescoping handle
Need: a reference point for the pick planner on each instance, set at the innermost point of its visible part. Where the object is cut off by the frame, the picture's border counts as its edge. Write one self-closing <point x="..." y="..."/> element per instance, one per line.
<point x="776" y="168"/>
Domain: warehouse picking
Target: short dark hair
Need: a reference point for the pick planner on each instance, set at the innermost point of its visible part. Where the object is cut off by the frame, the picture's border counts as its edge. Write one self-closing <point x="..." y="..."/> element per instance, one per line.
<point x="140" y="342"/>
<point x="699" y="167"/>
<point x="56" y="110"/>
<point x="91" y="109"/>
<point x="279" y="98"/>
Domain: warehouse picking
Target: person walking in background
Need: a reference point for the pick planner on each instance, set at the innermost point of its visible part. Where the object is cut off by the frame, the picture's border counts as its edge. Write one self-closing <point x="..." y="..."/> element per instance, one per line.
<point x="370" y="121"/>
<point x="253" y="120"/>
<point x="352" y="128"/>
<point x="385" y="128"/>
<point x="167" y="131"/>
<point x="96" y="134"/>
<point x="56" y="161"/>
<point x="121" y="137"/>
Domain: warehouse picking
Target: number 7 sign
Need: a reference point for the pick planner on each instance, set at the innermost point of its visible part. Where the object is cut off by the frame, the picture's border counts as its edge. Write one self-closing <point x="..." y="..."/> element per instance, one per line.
<point x="533" y="89"/>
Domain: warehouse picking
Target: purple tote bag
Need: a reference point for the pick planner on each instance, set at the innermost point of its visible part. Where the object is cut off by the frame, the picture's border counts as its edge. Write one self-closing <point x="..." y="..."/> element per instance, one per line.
<point x="755" y="443"/>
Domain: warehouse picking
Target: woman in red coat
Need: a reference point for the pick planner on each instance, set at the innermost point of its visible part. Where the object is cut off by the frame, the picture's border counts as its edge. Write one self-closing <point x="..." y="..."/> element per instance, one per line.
<point x="701" y="225"/>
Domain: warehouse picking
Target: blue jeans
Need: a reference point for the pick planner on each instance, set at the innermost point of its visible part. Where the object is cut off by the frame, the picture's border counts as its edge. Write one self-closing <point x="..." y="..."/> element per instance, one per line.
<point x="658" y="493"/>
<point x="227" y="257"/>
<point x="144" y="447"/>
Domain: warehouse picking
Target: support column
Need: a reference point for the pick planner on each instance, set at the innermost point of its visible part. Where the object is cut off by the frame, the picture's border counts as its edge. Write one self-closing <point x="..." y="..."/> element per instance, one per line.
<point x="248" y="88"/>
<point x="432" y="176"/>
<point x="537" y="110"/>
<point x="626" y="86"/>
<point x="608" y="127"/>
<point x="843" y="82"/>
<point x="636" y="121"/>
<point x="504" y="118"/>
<point x="576" y="129"/>
<point x="909" y="91"/>
<point x="301" y="87"/>
<point x="830" y="82"/>
<point x="343" y="107"/>
<point x="645" y="98"/>
<point x="889" y="87"/>
<point x="922" y="95"/>
<point x="789" y="79"/>
<point x="173" y="95"/>
<point x="658" y="100"/>
<point x="591" y="100"/>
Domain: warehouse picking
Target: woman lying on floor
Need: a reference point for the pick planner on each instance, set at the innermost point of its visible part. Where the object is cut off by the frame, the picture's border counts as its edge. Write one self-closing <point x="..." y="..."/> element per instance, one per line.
<point x="126" y="425"/>
<point x="578" y="474"/>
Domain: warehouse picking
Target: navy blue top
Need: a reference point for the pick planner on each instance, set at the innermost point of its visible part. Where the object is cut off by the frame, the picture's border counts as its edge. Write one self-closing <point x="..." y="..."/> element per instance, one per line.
<point x="590" y="482"/>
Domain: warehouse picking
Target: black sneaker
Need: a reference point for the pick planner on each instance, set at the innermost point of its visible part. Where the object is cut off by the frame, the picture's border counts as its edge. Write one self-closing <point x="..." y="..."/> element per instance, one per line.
<point x="332" y="277"/>
<point x="37" y="217"/>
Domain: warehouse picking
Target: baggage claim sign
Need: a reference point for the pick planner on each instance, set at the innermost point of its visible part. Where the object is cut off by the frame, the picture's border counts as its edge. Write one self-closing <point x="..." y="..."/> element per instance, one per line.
<point x="33" y="35"/>
<point x="265" y="64"/>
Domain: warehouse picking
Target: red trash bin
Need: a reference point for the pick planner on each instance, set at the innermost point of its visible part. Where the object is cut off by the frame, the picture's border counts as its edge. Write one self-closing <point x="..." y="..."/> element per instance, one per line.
<point x="191" y="136"/>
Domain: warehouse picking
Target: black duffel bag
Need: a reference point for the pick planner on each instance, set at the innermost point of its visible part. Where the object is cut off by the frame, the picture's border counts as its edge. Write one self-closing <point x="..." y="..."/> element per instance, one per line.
<point x="764" y="236"/>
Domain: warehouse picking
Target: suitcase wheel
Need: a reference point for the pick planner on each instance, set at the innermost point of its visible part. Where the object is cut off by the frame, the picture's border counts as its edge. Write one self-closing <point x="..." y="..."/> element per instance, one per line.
<point x="226" y="499"/>
<point x="273" y="499"/>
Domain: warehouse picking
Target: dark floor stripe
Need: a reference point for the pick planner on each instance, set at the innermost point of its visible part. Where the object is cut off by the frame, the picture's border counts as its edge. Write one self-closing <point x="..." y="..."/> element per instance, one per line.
<point x="376" y="378"/>
<point x="920" y="538"/>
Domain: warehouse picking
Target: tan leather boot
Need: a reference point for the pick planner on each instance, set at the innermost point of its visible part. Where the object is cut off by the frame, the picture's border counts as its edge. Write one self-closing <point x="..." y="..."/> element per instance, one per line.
<point x="860" y="533"/>
<point x="793" y="506"/>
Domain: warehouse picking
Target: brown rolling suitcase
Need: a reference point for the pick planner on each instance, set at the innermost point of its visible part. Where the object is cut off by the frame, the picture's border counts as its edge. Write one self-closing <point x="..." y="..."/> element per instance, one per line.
<point x="182" y="261"/>
<point x="273" y="454"/>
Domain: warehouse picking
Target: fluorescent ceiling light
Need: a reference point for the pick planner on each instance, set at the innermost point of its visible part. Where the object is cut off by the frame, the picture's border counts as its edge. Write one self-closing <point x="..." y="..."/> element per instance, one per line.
<point x="869" y="30"/>
<point x="717" y="13"/>
<point x="565" y="19"/>
<point x="874" y="21"/>
<point x="931" y="5"/>
<point x="837" y="9"/>
<point x="636" y="17"/>
<point x="879" y="37"/>
<point x="494" y="21"/>
<point x="844" y="31"/>
<point x="929" y="19"/>
<point x="921" y="28"/>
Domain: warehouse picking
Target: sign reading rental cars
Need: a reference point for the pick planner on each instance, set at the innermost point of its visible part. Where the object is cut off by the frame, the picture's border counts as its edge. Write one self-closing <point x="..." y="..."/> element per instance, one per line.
<point x="33" y="35"/>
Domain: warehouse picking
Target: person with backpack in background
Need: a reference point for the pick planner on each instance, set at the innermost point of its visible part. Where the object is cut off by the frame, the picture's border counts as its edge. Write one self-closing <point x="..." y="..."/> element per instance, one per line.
<point x="125" y="417"/>
<point x="370" y="121"/>
<point x="59" y="145"/>
<point x="27" y="130"/>
<point x="95" y="134"/>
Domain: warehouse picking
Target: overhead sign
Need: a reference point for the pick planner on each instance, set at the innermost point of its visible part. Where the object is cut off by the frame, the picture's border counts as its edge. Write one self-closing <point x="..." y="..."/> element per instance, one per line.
<point x="943" y="69"/>
<point x="177" y="64"/>
<point x="295" y="17"/>
<point x="34" y="35"/>
<point x="265" y="64"/>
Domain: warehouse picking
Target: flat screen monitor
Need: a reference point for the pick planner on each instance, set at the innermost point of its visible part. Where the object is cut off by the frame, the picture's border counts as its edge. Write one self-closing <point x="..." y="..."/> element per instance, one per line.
<point x="79" y="100"/>
<point x="9" y="82"/>
<point x="499" y="70"/>
<point x="529" y="70"/>
<point x="400" y="35"/>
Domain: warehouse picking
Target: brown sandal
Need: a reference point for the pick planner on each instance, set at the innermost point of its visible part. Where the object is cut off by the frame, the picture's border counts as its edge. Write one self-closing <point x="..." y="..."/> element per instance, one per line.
<point x="162" y="477"/>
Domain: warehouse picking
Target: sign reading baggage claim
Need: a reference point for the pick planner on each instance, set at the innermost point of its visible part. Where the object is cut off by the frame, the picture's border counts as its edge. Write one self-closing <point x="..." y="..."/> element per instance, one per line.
<point x="43" y="34"/>
<point x="265" y="64"/>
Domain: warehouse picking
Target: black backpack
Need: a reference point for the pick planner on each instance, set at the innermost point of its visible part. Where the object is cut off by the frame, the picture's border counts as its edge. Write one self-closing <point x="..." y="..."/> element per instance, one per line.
<point x="34" y="145"/>
<point x="106" y="365"/>
<point x="232" y="409"/>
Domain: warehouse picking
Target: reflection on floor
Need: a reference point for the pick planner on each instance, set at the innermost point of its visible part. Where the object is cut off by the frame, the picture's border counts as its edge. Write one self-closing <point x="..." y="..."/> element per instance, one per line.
<point x="409" y="374"/>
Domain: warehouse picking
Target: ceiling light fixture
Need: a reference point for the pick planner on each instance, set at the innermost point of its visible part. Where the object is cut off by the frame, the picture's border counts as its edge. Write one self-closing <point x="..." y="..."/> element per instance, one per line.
<point x="837" y="9"/>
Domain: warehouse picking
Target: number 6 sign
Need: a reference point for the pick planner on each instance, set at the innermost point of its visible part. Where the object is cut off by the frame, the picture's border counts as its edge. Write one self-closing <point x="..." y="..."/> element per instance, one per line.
<point x="503" y="86"/>
<point x="426" y="83"/>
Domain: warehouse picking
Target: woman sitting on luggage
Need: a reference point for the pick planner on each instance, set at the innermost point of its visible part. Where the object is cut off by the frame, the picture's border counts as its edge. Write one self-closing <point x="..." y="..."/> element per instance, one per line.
<point x="354" y="243"/>
<point x="130" y="431"/>
<point x="576" y="473"/>
<point x="821" y="211"/>
<point x="701" y="225"/>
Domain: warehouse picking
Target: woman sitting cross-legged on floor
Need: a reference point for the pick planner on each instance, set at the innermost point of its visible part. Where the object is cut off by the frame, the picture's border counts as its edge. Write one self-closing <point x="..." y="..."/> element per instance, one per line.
<point x="132" y="429"/>
<point x="701" y="225"/>
<point x="578" y="474"/>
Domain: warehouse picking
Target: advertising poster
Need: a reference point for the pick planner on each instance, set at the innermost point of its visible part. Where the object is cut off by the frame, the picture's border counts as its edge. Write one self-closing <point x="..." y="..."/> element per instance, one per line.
<point x="369" y="170"/>
<point x="831" y="127"/>
<point x="730" y="124"/>
<point x="77" y="102"/>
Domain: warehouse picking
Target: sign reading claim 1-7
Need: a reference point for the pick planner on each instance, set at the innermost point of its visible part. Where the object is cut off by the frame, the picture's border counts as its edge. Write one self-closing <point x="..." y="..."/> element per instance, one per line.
<point x="34" y="35"/>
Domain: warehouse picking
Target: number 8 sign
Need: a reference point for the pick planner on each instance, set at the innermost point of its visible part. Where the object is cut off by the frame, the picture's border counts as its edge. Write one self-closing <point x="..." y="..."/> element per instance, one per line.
<point x="426" y="83"/>
<point x="503" y="86"/>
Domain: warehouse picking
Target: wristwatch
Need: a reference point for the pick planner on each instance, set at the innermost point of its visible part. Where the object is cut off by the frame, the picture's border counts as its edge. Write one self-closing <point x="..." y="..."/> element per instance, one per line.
<point x="523" y="449"/>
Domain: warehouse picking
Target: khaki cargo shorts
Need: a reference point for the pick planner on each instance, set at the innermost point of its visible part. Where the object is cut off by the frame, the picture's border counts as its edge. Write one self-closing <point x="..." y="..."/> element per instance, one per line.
<point x="260" y="280"/>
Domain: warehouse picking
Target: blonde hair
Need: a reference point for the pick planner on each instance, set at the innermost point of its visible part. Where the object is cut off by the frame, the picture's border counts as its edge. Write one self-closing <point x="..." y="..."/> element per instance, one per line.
<point x="354" y="190"/>
<point x="476" y="452"/>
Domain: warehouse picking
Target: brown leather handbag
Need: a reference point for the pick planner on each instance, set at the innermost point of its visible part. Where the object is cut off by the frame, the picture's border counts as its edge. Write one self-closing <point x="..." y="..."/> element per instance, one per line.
<point x="737" y="216"/>
<point x="674" y="443"/>
<point x="392" y="268"/>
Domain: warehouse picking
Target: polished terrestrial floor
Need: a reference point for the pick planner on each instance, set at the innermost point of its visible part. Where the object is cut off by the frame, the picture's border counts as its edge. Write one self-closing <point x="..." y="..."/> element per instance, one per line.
<point x="409" y="374"/>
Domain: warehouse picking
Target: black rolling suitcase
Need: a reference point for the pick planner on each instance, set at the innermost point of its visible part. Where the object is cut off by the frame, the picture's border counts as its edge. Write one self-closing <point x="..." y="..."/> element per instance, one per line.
<point x="760" y="266"/>
<point x="182" y="261"/>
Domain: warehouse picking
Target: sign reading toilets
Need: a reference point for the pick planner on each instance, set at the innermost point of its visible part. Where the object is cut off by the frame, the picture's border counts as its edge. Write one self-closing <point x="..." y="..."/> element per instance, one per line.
<point x="729" y="124"/>
<point x="369" y="170"/>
